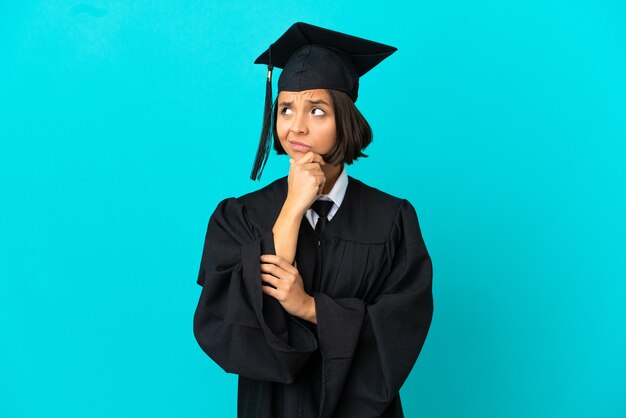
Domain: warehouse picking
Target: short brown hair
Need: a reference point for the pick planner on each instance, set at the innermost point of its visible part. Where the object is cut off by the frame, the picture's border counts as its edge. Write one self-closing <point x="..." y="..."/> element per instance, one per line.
<point x="354" y="134"/>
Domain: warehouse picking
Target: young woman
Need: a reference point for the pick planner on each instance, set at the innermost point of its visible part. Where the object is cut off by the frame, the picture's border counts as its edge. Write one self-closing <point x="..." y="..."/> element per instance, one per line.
<point x="316" y="289"/>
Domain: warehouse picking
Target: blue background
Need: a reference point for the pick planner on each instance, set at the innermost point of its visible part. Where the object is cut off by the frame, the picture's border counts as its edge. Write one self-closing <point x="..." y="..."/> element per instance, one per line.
<point x="123" y="124"/>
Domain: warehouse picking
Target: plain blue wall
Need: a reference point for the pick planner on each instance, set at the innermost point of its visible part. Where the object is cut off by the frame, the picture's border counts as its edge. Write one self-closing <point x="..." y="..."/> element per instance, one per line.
<point x="123" y="123"/>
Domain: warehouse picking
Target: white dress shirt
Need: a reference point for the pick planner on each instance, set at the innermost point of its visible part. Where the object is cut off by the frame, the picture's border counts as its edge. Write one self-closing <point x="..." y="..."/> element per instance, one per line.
<point x="336" y="195"/>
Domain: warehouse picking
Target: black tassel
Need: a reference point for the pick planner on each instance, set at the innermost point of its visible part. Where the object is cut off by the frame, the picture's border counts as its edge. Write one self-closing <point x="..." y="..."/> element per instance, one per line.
<point x="263" y="151"/>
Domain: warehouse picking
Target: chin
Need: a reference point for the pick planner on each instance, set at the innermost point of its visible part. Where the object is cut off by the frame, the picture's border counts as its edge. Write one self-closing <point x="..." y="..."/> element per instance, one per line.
<point x="298" y="154"/>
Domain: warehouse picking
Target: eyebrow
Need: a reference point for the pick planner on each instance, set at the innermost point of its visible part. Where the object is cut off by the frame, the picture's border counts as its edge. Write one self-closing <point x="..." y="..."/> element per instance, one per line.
<point x="313" y="102"/>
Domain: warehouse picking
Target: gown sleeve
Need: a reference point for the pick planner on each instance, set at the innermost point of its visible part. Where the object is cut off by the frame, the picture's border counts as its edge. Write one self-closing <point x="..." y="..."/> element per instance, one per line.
<point x="243" y="330"/>
<point x="368" y="350"/>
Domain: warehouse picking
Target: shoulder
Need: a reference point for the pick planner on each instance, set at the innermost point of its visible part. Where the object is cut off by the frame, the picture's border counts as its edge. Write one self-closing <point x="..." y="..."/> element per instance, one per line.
<point x="258" y="207"/>
<point x="267" y="196"/>
<point x="380" y="201"/>
<point x="381" y="212"/>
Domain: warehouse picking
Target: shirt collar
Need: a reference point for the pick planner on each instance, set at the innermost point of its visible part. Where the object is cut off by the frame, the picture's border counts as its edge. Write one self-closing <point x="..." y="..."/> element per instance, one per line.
<point x="338" y="191"/>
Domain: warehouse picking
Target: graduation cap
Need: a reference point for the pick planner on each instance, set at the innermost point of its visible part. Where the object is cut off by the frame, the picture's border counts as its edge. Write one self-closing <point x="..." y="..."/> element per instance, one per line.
<point x="314" y="58"/>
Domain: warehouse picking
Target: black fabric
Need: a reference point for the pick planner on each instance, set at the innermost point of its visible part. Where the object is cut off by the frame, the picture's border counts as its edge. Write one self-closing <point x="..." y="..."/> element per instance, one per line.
<point x="313" y="57"/>
<point x="373" y="303"/>
<point x="321" y="207"/>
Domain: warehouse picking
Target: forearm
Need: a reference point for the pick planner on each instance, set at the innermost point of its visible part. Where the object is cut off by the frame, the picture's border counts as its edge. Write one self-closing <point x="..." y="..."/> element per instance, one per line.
<point x="286" y="231"/>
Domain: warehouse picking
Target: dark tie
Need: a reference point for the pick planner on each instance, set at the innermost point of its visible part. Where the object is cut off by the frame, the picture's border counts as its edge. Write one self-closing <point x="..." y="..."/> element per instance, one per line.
<point x="321" y="207"/>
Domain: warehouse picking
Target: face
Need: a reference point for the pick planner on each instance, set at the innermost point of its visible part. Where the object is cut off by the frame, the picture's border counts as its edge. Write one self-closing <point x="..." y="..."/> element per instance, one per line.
<point x="305" y="122"/>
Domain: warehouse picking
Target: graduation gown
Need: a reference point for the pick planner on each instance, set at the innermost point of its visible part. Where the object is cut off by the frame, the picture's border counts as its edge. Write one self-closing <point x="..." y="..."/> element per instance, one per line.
<point x="373" y="302"/>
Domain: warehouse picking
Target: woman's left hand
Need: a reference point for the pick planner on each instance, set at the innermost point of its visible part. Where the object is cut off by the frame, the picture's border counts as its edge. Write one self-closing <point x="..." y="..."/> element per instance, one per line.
<point x="288" y="288"/>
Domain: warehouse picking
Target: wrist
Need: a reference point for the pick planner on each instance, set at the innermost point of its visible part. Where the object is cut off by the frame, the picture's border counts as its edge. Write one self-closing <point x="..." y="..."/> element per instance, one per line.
<point x="292" y="211"/>
<point x="310" y="312"/>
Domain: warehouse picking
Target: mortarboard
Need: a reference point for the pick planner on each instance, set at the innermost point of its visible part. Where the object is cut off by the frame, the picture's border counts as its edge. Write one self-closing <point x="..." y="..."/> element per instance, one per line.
<point x="314" y="58"/>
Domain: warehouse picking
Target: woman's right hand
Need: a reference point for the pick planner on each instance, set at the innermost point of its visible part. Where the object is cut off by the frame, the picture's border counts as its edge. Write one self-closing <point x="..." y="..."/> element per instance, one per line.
<point x="306" y="181"/>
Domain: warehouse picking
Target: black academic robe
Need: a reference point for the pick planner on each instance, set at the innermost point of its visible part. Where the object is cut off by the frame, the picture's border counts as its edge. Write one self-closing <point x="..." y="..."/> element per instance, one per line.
<point x="373" y="302"/>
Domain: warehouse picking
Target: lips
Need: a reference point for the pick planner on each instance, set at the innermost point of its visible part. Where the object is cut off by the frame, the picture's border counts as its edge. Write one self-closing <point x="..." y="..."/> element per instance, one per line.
<point x="299" y="146"/>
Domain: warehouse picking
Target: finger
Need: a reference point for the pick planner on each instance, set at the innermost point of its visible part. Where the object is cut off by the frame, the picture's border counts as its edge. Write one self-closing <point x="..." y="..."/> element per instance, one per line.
<point x="310" y="157"/>
<point x="312" y="166"/>
<point x="271" y="280"/>
<point x="322" y="182"/>
<point x="277" y="271"/>
<point x="316" y="173"/>
<point x="272" y="269"/>
<point x="321" y="178"/>
<point x="271" y="258"/>
<point x="283" y="272"/>
<point x="319" y="159"/>
<point x="276" y="294"/>
<point x="278" y="261"/>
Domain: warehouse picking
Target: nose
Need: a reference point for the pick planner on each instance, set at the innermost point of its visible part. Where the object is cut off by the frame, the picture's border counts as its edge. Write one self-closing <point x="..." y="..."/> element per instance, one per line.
<point x="298" y="125"/>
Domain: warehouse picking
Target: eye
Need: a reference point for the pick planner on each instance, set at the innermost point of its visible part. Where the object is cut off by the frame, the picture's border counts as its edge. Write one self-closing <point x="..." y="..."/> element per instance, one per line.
<point x="322" y="113"/>
<point x="285" y="109"/>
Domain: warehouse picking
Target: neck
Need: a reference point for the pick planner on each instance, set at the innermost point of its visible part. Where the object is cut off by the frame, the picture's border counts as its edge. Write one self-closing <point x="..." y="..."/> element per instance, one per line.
<point x="331" y="172"/>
